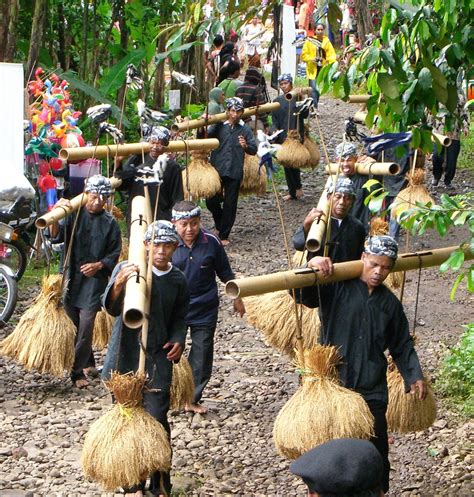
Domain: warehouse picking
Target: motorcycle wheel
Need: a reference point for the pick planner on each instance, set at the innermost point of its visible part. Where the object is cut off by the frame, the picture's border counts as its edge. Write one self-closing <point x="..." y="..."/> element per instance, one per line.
<point x="13" y="254"/>
<point x="8" y="295"/>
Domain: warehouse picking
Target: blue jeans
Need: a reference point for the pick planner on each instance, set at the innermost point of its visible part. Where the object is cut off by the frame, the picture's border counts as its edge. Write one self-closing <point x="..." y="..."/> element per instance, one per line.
<point x="314" y="92"/>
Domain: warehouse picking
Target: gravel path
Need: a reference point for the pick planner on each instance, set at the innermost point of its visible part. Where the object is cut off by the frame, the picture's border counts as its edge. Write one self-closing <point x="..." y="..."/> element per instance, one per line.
<point x="230" y="450"/>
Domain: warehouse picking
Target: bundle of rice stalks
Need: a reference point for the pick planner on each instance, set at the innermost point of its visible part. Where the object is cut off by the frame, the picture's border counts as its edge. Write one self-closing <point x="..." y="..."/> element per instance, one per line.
<point x="299" y="258"/>
<point x="415" y="192"/>
<point x="293" y="153"/>
<point x="102" y="329"/>
<point x="255" y="177"/>
<point x="406" y="412"/>
<point x="124" y="252"/>
<point x="200" y="179"/>
<point x="314" y="152"/>
<point x="44" y="337"/>
<point x="117" y="213"/>
<point x="379" y="226"/>
<point x="182" y="384"/>
<point x="125" y="445"/>
<point x="321" y="409"/>
<point x="274" y="315"/>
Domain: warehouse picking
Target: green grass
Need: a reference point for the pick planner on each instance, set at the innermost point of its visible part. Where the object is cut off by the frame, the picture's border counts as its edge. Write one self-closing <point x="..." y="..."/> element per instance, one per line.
<point x="466" y="157"/>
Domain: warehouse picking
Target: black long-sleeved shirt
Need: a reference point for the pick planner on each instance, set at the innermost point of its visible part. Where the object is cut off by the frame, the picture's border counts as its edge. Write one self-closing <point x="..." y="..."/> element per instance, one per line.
<point x="363" y="326"/>
<point x="228" y="158"/>
<point x="346" y="240"/>
<point x="171" y="189"/>
<point x="96" y="238"/>
<point x="284" y="118"/>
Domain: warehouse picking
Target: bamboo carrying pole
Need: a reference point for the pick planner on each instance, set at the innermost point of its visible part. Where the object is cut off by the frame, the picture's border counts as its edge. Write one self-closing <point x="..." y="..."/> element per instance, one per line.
<point x="298" y="92"/>
<point x="59" y="213"/>
<point x="135" y="301"/>
<point x="103" y="151"/>
<point x="367" y="168"/>
<point x="360" y="116"/>
<point x="359" y="99"/>
<point x="217" y="118"/>
<point x="443" y="139"/>
<point x="317" y="230"/>
<point x="300" y="278"/>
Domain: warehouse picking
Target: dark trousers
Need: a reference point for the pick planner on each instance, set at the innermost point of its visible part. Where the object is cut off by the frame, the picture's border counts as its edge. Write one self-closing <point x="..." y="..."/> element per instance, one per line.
<point x="293" y="180"/>
<point x="201" y="356"/>
<point x="224" y="216"/>
<point x="447" y="156"/>
<point x="83" y="320"/>
<point x="314" y="92"/>
<point x="380" y="440"/>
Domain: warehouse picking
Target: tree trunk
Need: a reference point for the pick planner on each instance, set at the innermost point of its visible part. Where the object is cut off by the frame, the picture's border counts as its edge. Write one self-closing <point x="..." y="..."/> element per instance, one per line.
<point x="9" y="15"/>
<point x="61" y="38"/>
<point x="159" y="82"/>
<point x="192" y="62"/>
<point x="363" y="19"/>
<point x="36" y="39"/>
<point x="84" y="51"/>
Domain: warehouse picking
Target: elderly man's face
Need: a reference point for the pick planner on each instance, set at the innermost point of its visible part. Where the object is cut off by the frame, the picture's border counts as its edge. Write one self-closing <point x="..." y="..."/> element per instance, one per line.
<point x="348" y="165"/>
<point x="234" y="116"/>
<point x="285" y="86"/>
<point x="162" y="253"/>
<point x="341" y="204"/>
<point x="376" y="269"/>
<point x="95" y="203"/>
<point x="157" y="147"/>
<point x="188" y="229"/>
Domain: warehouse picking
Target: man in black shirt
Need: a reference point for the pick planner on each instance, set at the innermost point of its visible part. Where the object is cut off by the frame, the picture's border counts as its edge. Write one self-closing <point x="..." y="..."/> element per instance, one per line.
<point x="347" y="235"/>
<point x="96" y="244"/>
<point x="171" y="188"/>
<point x="363" y="318"/>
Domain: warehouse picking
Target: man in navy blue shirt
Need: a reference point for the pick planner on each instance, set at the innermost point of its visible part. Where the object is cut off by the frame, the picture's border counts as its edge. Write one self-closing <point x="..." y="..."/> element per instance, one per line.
<point x="201" y="256"/>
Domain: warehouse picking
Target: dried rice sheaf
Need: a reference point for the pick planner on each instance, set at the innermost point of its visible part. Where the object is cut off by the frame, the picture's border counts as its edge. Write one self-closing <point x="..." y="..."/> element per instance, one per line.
<point x="125" y="445"/>
<point x="293" y="153"/>
<point x="44" y="337"/>
<point x="254" y="180"/>
<point x="415" y="192"/>
<point x="275" y="316"/>
<point x="200" y="178"/>
<point x="182" y="384"/>
<point x="319" y="410"/>
<point x="102" y="329"/>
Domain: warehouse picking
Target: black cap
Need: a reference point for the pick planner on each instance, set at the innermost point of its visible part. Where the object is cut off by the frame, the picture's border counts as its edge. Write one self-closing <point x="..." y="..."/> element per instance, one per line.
<point x="341" y="466"/>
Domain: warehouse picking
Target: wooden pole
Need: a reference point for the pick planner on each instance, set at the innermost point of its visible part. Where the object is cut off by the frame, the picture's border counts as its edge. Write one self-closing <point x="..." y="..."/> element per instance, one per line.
<point x="317" y="230"/>
<point x="103" y="151"/>
<point x="359" y="99"/>
<point x="58" y="213"/>
<point x="298" y="92"/>
<point x="135" y="300"/>
<point x="300" y="278"/>
<point x="360" y="116"/>
<point x="217" y="118"/>
<point x="367" y="168"/>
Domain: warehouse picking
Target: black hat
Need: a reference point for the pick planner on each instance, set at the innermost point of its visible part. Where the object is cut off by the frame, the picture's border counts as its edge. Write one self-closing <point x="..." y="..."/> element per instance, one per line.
<point x="341" y="466"/>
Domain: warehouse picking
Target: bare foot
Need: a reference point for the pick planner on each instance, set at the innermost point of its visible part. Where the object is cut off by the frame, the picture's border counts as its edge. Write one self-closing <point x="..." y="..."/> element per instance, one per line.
<point x="196" y="408"/>
<point x="139" y="493"/>
<point x="91" y="372"/>
<point x="225" y="242"/>
<point x="81" y="383"/>
<point x="288" y="197"/>
<point x="299" y="193"/>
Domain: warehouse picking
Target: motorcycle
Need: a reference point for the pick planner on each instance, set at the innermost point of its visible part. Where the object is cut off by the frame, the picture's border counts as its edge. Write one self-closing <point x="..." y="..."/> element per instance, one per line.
<point x="14" y="237"/>
<point x="8" y="294"/>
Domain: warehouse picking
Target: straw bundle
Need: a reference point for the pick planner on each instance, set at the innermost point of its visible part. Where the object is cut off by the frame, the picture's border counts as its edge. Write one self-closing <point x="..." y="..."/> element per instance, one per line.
<point x="44" y="337"/>
<point x="415" y="192"/>
<point x="313" y="149"/>
<point x="102" y="329"/>
<point x="125" y="445"/>
<point x="255" y="177"/>
<point x="299" y="258"/>
<point x="274" y="315"/>
<point x="293" y="153"/>
<point x="379" y="226"/>
<point x="406" y="412"/>
<point x="321" y="409"/>
<point x="117" y="213"/>
<point x="124" y="252"/>
<point x="182" y="384"/>
<point x="200" y="179"/>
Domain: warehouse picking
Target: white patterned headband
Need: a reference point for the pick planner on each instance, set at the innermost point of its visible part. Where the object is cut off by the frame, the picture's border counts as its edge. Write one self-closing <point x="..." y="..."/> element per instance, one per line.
<point x="178" y="215"/>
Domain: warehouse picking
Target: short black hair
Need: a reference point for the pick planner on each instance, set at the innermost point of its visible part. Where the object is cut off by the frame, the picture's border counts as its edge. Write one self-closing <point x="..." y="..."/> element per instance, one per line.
<point x="320" y="24"/>
<point x="184" y="206"/>
<point x="218" y="40"/>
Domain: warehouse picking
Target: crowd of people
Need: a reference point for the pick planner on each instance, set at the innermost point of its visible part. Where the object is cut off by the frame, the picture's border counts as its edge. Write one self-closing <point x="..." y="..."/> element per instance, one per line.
<point x="187" y="258"/>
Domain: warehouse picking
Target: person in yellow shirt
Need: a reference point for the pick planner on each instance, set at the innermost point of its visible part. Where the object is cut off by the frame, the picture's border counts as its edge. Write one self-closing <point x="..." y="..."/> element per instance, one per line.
<point x="317" y="52"/>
